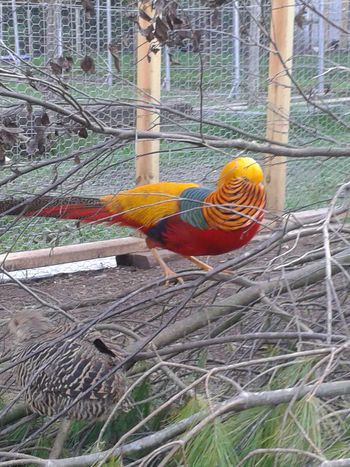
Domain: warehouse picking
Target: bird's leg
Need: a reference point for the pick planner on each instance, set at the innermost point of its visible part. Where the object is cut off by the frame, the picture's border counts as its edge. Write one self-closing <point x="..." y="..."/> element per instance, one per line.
<point x="199" y="263"/>
<point x="203" y="265"/>
<point x="60" y="439"/>
<point x="168" y="272"/>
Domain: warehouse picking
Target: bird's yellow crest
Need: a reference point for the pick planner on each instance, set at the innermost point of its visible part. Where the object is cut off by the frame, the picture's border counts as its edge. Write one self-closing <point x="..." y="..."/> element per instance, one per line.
<point x="242" y="167"/>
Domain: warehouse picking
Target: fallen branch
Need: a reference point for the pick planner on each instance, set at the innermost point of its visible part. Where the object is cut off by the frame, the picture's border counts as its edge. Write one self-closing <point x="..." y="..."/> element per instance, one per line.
<point x="244" y="401"/>
<point x="240" y="301"/>
<point x="268" y="336"/>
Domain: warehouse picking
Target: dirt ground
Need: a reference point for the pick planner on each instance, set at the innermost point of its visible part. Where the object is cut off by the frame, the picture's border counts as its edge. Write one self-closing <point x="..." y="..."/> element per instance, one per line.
<point x="93" y="290"/>
<point x="88" y="294"/>
<point x="90" y="289"/>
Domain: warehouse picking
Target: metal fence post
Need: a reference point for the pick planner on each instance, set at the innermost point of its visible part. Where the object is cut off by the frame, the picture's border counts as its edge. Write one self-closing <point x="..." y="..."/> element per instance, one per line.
<point x="109" y="40"/>
<point x="236" y="69"/>
<point x="321" y="41"/>
<point x="167" y="78"/>
<point x="98" y="26"/>
<point x="15" y="30"/>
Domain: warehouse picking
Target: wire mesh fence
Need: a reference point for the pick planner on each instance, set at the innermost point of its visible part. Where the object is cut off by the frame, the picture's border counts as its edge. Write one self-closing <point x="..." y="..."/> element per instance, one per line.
<point x="214" y="79"/>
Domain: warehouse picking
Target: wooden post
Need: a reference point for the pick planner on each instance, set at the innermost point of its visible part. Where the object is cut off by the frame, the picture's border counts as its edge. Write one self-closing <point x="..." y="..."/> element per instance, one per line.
<point x="279" y="92"/>
<point x="148" y="84"/>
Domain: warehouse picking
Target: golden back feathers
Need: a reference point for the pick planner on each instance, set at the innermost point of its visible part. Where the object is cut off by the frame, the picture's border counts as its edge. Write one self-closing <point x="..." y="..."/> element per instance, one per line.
<point x="236" y="202"/>
<point x="146" y="205"/>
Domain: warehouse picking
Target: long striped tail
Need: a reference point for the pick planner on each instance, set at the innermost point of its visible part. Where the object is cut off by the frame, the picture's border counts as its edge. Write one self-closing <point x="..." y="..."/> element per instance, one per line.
<point x="84" y="209"/>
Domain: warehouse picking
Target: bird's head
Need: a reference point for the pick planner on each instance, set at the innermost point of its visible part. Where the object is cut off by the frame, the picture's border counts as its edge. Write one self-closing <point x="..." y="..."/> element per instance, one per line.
<point x="242" y="167"/>
<point x="28" y="325"/>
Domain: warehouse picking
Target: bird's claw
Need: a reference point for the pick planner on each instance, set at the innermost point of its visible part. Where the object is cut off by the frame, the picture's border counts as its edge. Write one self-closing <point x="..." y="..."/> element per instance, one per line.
<point x="171" y="277"/>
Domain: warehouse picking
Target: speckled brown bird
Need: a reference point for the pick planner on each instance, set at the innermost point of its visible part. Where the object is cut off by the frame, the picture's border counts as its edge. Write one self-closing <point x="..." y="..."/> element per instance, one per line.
<point x="55" y="368"/>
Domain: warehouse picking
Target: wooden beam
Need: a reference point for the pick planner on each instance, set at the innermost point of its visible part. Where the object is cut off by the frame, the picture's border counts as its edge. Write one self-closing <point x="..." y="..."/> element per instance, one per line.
<point x="148" y="84"/>
<point x="71" y="253"/>
<point x="279" y="93"/>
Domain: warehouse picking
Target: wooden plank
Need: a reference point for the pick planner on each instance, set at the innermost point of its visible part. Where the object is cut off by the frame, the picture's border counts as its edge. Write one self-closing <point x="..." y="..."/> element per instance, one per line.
<point x="279" y="94"/>
<point x="148" y="84"/>
<point x="71" y="253"/>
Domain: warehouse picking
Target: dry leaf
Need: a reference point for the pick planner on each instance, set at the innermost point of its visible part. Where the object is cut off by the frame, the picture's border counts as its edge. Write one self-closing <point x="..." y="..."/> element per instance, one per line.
<point x="65" y="63"/>
<point x="11" y="135"/>
<point x="216" y="3"/>
<point x="55" y="67"/>
<point x="114" y="52"/>
<point x="83" y="132"/>
<point x="147" y="33"/>
<point x="161" y="31"/>
<point x="87" y="64"/>
<point x="300" y="17"/>
<point x="45" y="119"/>
<point x="333" y="45"/>
<point x="215" y="18"/>
<point x="144" y="15"/>
<point x="172" y="61"/>
<point x="89" y="8"/>
<point x="196" y="40"/>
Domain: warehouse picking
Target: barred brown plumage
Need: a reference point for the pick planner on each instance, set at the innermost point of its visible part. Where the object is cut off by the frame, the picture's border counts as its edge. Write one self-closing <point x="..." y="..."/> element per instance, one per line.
<point x="56" y="366"/>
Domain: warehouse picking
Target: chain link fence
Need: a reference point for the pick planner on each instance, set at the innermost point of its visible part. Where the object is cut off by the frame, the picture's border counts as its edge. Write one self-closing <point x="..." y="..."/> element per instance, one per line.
<point x="217" y="71"/>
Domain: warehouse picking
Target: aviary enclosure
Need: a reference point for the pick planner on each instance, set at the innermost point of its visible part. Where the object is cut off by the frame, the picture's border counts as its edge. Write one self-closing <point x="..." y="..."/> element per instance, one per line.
<point x="245" y="364"/>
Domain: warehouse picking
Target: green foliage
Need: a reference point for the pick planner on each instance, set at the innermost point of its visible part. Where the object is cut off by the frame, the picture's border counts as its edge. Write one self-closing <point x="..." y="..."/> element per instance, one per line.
<point x="113" y="462"/>
<point x="225" y="442"/>
<point x="42" y="447"/>
<point x="292" y="374"/>
<point x="120" y="425"/>
<point x="298" y="425"/>
<point x="212" y="446"/>
<point x="191" y="407"/>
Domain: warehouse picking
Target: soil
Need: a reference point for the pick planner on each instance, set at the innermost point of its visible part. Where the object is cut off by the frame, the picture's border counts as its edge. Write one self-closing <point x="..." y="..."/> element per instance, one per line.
<point x="88" y="294"/>
<point x="90" y="291"/>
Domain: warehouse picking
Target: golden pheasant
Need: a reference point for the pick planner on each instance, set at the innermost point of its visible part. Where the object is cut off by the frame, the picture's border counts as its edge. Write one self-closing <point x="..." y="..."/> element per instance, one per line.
<point x="185" y="218"/>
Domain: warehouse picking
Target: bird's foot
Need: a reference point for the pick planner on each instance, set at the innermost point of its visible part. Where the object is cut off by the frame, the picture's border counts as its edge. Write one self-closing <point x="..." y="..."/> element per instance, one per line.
<point x="169" y="274"/>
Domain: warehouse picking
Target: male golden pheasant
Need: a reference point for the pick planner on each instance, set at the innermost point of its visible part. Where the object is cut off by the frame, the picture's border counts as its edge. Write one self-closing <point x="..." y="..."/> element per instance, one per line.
<point x="182" y="217"/>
